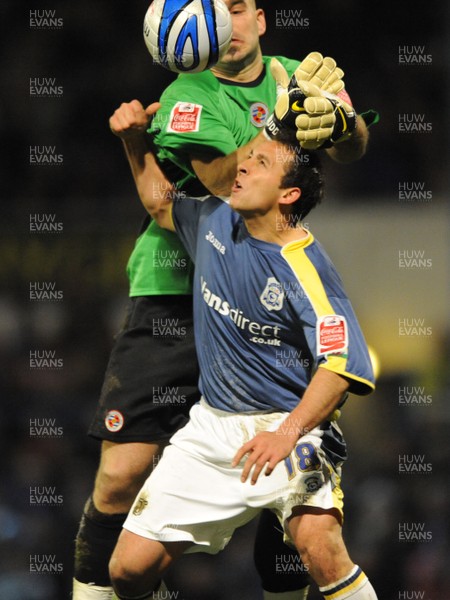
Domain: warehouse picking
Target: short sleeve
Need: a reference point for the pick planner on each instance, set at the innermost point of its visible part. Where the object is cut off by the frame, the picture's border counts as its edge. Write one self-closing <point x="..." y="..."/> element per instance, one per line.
<point x="187" y="214"/>
<point x="192" y="121"/>
<point x="328" y="320"/>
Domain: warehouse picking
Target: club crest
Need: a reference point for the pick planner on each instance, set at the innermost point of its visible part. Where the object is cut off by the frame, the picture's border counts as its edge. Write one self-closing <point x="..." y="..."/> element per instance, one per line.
<point x="139" y="505"/>
<point x="258" y="114"/>
<point x="273" y="295"/>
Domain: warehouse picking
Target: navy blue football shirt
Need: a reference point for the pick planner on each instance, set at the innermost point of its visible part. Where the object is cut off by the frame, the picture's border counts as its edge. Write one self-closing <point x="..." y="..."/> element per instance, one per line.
<point x="265" y="316"/>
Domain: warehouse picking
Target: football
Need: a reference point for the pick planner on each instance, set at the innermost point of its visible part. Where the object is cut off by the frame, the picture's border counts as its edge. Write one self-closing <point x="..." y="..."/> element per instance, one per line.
<point x="187" y="37"/>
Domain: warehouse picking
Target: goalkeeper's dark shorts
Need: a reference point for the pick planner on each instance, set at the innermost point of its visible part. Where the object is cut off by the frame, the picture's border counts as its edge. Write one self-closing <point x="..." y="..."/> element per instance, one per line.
<point x="152" y="375"/>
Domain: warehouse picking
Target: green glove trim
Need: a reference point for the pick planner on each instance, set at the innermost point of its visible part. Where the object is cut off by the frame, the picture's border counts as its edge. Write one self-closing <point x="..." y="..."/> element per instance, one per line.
<point x="370" y="117"/>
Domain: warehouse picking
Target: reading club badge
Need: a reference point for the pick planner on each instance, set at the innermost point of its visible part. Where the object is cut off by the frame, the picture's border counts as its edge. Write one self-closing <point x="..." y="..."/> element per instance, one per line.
<point x="114" y="421"/>
<point x="258" y="114"/>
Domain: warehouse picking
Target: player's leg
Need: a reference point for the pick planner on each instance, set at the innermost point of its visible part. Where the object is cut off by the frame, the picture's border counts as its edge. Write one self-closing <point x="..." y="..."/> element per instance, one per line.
<point x="135" y="419"/>
<point x="138" y="564"/>
<point x="122" y="471"/>
<point x="283" y="576"/>
<point x="194" y="496"/>
<point x="318" y="537"/>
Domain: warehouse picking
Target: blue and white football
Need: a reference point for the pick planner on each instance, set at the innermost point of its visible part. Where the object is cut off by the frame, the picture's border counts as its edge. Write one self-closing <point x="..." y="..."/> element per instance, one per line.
<point x="187" y="36"/>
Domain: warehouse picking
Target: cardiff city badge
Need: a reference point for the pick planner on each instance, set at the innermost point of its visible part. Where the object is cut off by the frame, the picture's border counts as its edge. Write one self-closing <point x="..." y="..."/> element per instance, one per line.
<point x="273" y="295"/>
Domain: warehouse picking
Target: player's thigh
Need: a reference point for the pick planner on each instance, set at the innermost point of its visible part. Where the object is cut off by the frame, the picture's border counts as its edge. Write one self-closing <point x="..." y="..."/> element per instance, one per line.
<point x="122" y="471"/>
<point x="139" y="558"/>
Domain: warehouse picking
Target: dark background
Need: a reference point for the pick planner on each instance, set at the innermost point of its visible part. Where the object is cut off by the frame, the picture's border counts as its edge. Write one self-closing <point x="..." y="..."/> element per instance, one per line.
<point x="99" y="58"/>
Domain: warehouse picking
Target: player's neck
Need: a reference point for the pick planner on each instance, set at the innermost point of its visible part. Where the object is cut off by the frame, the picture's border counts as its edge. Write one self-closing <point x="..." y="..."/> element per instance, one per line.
<point x="274" y="231"/>
<point x="239" y="71"/>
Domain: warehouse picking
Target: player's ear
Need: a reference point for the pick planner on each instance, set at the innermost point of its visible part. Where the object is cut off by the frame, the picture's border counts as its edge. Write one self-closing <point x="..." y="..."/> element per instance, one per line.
<point x="290" y="195"/>
<point x="261" y="21"/>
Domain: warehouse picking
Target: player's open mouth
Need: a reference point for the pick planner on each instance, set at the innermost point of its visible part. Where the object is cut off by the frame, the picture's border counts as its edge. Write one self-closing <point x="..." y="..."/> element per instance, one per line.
<point x="236" y="186"/>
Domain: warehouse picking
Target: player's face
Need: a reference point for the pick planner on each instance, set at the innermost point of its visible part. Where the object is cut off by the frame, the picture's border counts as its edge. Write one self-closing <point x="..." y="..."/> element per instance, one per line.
<point x="248" y="25"/>
<point x="256" y="190"/>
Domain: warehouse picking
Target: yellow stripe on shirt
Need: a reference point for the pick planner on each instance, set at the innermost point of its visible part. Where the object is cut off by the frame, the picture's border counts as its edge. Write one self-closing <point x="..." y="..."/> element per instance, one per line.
<point x="309" y="278"/>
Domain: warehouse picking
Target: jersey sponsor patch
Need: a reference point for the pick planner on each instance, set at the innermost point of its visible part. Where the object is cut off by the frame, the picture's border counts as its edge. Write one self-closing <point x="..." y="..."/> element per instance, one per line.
<point x="185" y="118"/>
<point x="273" y="295"/>
<point x="332" y="334"/>
<point x="114" y="421"/>
<point x="258" y="114"/>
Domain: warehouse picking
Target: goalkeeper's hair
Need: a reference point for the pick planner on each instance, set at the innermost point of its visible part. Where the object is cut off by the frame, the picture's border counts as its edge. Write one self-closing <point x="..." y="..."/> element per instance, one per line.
<point x="302" y="170"/>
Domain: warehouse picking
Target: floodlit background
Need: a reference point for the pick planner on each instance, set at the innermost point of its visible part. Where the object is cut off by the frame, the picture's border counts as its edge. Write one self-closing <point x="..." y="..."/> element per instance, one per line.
<point x="384" y="222"/>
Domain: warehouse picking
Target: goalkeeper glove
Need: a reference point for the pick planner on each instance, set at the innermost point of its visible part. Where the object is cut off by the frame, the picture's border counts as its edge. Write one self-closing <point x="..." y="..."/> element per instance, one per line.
<point x="318" y="122"/>
<point x="319" y="71"/>
<point x="327" y="119"/>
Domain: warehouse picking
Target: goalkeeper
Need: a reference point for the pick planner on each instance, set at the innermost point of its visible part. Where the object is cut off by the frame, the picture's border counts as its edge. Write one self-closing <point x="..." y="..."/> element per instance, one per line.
<point x="207" y="123"/>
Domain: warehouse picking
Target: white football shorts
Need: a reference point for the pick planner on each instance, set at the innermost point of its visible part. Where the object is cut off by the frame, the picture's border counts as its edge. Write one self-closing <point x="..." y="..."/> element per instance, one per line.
<point x="195" y="495"/>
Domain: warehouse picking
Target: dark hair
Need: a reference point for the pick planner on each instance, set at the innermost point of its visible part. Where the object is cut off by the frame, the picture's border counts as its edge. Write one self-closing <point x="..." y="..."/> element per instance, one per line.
<point x="303" y="170"/>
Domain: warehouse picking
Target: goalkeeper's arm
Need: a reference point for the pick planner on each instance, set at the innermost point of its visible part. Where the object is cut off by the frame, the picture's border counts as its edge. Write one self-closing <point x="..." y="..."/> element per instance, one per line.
<point x="353" y="147"/>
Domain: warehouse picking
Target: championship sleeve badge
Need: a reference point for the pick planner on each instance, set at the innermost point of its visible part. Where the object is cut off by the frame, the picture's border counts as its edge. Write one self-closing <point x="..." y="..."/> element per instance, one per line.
<point x="332" y="334"/>
<point x="184" y="118"/>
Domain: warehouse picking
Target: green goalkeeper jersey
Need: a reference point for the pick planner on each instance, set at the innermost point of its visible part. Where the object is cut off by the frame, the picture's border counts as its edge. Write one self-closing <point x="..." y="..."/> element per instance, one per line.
<point x="199" y="114"/>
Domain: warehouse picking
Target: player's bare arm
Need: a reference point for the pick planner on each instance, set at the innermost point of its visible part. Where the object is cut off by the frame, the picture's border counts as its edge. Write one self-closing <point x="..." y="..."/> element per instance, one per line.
<point x="130" y="123"/>
<point x="267" y="449"/>
<point x="354" y="147"/>
<point x="218" y="173"/>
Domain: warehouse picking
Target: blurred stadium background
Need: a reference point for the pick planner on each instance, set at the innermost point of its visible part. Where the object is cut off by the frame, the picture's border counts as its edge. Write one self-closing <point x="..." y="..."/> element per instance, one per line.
<point x="94" y="58"/>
